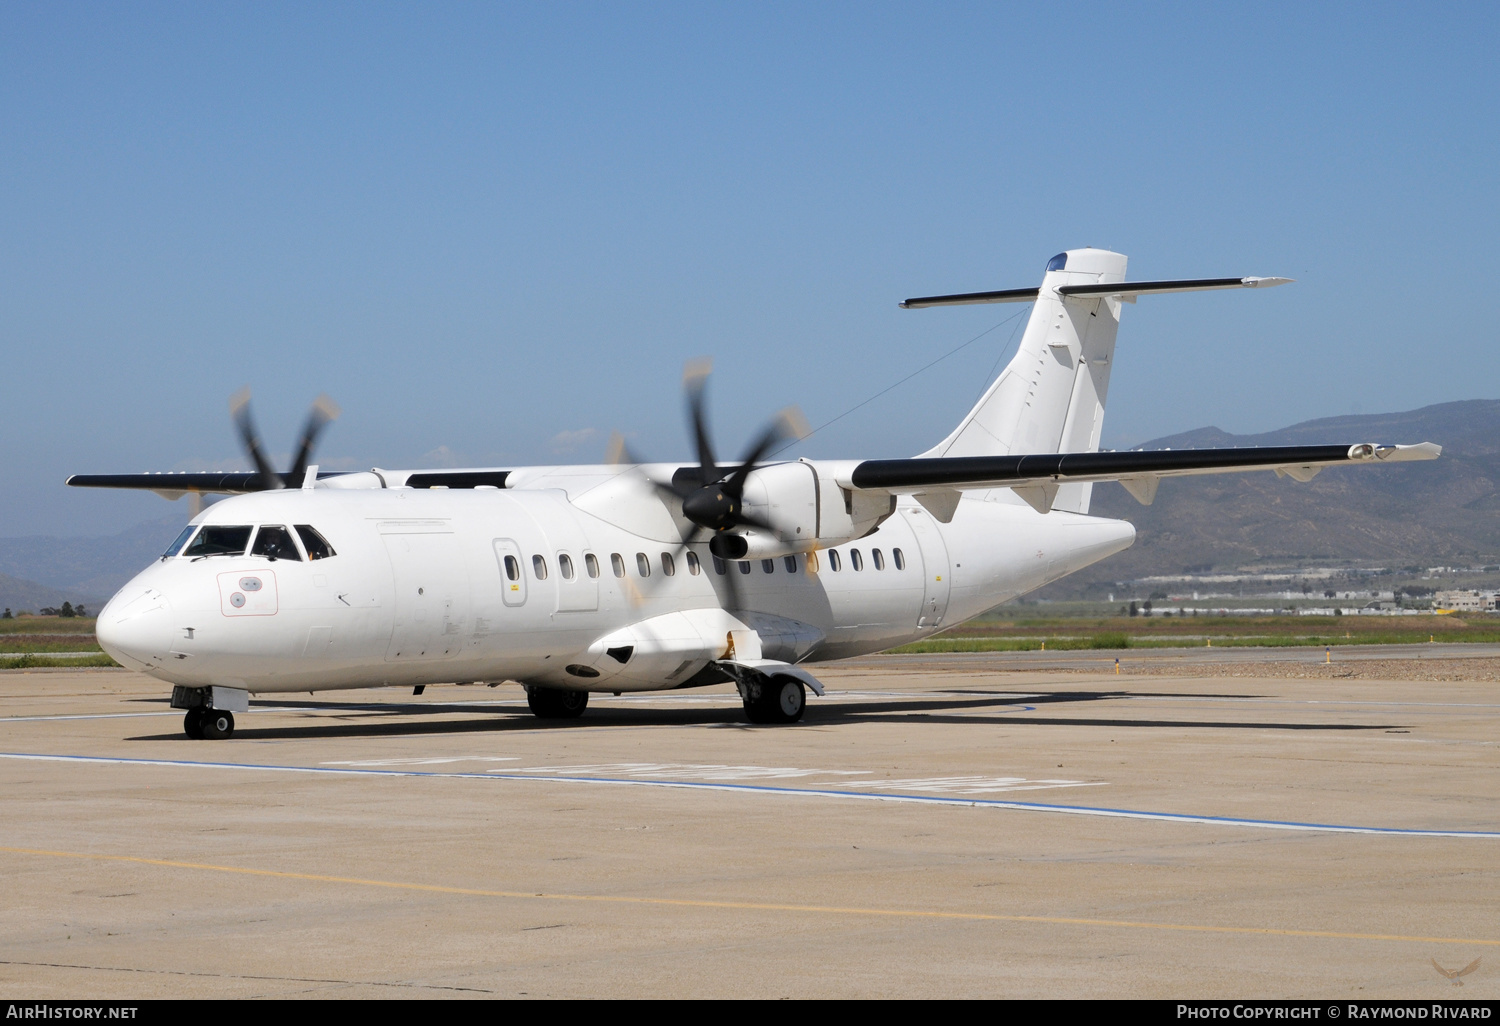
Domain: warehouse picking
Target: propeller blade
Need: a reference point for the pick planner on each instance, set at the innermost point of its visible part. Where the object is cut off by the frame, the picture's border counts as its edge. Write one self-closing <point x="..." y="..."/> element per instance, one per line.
<point x="239" y="410"/>
<point x="694" y="380"/>
<point x="618" y="453"/>
<point x="323" y="410"/>
<point x="731" y="583"/>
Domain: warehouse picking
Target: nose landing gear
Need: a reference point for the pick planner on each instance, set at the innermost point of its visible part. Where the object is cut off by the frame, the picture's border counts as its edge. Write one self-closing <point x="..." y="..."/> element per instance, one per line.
<point x="208" y="724"/>
<point x="210" y="711"/>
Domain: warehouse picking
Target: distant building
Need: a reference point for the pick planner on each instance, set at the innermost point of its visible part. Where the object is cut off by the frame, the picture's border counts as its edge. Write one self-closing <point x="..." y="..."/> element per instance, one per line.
<point x="1465" y="601"/>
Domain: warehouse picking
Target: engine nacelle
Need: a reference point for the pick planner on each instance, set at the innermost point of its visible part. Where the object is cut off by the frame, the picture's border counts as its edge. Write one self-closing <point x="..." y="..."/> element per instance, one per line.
<point x="806" y="507"/>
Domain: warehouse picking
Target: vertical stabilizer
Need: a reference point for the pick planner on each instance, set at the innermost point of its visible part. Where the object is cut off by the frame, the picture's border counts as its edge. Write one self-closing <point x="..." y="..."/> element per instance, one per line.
<point x="1050" y="397"/>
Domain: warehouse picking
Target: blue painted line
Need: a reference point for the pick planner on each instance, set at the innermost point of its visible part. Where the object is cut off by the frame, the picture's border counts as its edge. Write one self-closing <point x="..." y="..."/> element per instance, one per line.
<point x="790" y="792"/>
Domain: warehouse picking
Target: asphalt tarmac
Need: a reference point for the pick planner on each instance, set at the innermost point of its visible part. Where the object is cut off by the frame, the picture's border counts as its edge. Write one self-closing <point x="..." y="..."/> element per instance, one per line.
<point x="937" y="826"/>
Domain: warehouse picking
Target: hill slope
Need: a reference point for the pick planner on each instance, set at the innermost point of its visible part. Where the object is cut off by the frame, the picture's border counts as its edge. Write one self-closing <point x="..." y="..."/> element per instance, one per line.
<point x="1444" y="512"/>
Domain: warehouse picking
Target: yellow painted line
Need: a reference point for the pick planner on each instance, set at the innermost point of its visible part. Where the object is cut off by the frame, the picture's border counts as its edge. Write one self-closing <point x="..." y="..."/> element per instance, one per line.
<point x="749" y="906"/>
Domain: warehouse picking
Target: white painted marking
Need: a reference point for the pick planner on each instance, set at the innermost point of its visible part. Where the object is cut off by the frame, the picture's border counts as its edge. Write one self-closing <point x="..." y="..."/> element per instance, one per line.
<point x="684" y="771"/>
<point x="421" y="762"/>
<point x="974" y="785"/>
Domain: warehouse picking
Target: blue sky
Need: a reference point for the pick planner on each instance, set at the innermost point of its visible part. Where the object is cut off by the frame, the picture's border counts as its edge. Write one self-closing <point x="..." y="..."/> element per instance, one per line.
<point x="494" y="233"/>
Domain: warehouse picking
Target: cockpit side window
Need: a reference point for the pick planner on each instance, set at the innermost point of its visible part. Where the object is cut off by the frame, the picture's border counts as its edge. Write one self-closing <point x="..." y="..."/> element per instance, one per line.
<point x="219" y="540"/>
<point x="275" y="542"/>
<point x="1058" y="263"/>
<point x="316" y="545"/>
<point x="176" y="546"/>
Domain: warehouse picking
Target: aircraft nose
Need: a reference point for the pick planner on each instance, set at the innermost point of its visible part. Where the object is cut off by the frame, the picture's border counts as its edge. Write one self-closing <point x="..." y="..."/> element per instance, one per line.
<point x="136" y="628"/>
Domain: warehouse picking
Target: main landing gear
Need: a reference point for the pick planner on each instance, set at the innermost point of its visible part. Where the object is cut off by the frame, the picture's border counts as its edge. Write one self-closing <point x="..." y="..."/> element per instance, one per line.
<point x="208" y="724"/>
<point x="777" y="700"/>
<point x="557" y="703"/>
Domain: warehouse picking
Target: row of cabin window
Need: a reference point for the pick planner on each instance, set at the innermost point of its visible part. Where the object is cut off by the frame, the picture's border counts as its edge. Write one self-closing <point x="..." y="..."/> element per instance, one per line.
<point x="567" y="571"/>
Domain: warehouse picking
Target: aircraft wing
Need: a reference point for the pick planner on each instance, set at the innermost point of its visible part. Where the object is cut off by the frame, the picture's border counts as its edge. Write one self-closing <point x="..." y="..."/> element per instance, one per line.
<point x="175" y="485"/>
<point x="1035" y="478"/>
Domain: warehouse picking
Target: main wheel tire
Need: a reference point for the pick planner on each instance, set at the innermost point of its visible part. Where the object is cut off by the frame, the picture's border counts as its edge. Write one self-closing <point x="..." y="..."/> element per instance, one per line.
<point x="217" y="724"/>
<point x="557" y="703"/>
<point x="192" y="724"/>
<point x="780" y="700"/>
<point x="787" y="699"/>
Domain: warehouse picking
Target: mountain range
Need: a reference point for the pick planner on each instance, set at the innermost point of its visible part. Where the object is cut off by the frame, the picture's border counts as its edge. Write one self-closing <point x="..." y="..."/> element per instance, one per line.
<point x="1443" y="512"/>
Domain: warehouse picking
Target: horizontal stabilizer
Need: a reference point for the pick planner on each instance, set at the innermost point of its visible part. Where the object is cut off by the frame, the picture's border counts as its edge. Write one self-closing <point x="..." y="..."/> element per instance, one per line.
<point x="1155" y="288"/>
<point x="1124" y="289"/>
<point x="965" y="298"/>
<point x="1023" y="471"/>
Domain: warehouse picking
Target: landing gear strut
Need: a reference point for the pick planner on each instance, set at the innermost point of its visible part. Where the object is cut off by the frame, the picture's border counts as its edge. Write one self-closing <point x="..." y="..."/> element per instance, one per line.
<point x="777" y="700"/>
<point x="556" y="703"/>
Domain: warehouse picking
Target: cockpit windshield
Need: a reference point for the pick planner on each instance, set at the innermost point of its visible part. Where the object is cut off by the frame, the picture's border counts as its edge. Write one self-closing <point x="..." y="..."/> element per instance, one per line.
<point x="317" y="546"/>
<point x="176" y="546"/>
<point x="1058" y="263"/>
<point x="217" y="540"/>
<point x="275" y="542"/>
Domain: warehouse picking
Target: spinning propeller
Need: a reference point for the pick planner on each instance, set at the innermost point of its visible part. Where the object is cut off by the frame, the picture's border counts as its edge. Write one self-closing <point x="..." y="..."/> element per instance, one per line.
<point x="323" y="410"/>
<point x="711" y="496"/>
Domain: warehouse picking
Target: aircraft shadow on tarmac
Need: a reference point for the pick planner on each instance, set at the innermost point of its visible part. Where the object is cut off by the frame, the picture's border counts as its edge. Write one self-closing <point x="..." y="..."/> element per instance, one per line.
<point x="374" y="719"/>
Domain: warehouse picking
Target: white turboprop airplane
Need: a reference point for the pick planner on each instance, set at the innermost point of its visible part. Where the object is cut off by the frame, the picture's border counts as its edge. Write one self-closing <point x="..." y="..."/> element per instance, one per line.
<point x="635" y="576"/>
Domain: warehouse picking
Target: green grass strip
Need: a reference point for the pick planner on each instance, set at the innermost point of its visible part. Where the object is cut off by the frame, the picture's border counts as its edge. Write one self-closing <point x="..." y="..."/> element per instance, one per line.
<point x="29" y="661"/>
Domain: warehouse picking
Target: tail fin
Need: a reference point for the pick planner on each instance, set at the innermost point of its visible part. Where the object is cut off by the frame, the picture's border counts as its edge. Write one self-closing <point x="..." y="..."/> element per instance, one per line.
<point x="1050" y="398"/>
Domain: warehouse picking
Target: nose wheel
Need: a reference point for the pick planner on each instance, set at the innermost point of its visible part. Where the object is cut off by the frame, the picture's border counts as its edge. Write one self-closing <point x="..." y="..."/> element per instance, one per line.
<point x="208" y="724"/>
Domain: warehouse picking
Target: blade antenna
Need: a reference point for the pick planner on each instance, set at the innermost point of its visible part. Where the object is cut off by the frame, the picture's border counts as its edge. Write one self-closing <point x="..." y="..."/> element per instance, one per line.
<point x="239" y="410"/>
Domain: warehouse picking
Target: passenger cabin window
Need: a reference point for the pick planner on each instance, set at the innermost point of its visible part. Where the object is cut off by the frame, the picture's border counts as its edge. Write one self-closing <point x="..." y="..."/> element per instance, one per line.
<point x="668" y="564"/>
<point x="856" y="560"/>
<point x="877" y="559"/>
<point x="642" y="564"/>
<point x="316" y="545"/>
<point x="591" y="563"/>
<point x="899" y="558"/>
<point x="812" y="562"/>
<point x="768" y="565"/>
<point x="215" y="540"/>
<point x="565" y="566"/>
<point x="275" y="542"/>
<point x="744" y="566"/>
<point x="694" y="567"/>
<point x="539" y="567"/>
<point x="833" y="560"/>
<point x="617" y="564"/>
<point x="791" y="564"/>
<point x="720" y="567"/>
<point x="512" y="568"/>
<point x="176" y="546"/>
